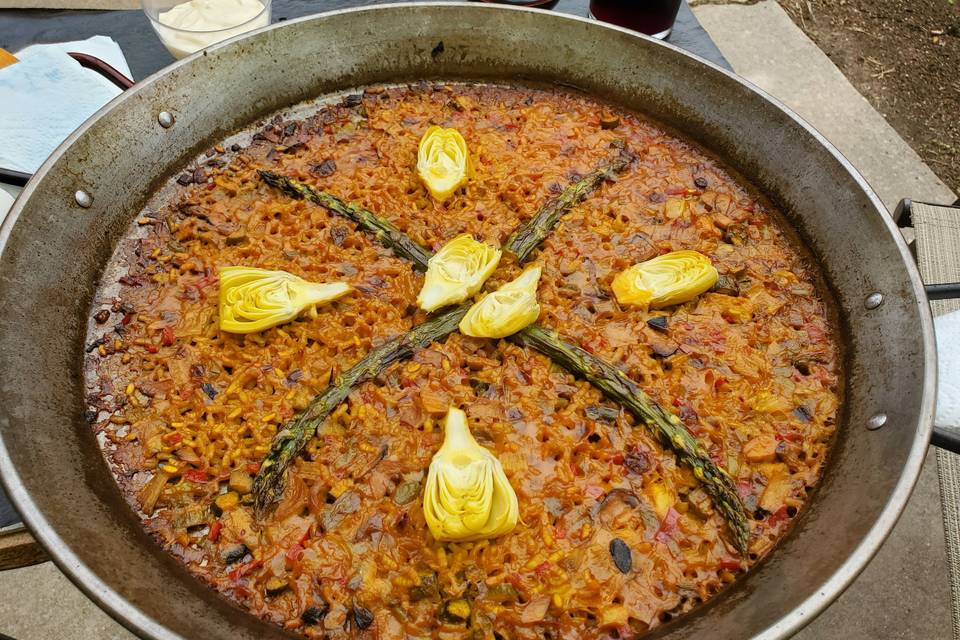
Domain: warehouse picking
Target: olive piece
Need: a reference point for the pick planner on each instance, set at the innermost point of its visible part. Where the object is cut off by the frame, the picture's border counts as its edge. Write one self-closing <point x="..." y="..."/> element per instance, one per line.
<point x="362" y="616"/>
<point x="659" y="323"/>
<point x="700" y="182"/>
<point x="622" y="557"/>
<point x="314" y="615"/>
<point x="233" y="553"/>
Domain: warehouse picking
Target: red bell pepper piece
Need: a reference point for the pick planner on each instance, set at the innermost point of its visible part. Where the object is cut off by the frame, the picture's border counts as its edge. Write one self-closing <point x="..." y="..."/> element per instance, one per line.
<point x="214" y="534"/>
<point x="196" y="475"/>
<point x="244" y="569"/>
<point x="294" y="553"/>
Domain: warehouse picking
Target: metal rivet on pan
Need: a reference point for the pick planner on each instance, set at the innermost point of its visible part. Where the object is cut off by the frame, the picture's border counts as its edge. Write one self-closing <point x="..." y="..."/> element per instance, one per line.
<point x="165" y="118"/>
<point x="873" y="300"/>
<point x="83" y="198"/>
<point x="877" y="421"/>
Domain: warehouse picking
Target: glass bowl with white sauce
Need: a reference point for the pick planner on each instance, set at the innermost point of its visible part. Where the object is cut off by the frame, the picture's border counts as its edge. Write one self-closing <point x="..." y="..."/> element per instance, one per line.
<point x="188" y="27"/>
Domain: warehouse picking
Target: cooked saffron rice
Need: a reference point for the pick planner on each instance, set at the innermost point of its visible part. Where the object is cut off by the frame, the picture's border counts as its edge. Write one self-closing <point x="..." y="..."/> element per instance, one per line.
<point x="615" y="537"/>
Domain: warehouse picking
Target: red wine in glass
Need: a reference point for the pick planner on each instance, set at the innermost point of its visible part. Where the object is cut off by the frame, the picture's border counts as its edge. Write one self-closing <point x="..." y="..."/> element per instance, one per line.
<point x="652" y="17"/>
<point x="541" y="4"/>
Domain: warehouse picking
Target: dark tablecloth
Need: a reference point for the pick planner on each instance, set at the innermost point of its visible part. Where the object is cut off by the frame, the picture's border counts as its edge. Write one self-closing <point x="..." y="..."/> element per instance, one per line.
<point x="145" y="54"/>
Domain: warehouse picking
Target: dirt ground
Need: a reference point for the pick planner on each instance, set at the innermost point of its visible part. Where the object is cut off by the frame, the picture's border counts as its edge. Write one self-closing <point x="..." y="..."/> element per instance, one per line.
<point x="904" y="57"/>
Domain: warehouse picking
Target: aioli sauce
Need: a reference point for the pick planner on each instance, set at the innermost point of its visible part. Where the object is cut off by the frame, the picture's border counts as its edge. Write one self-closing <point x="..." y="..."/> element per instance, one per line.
<point x="200" y="23"/>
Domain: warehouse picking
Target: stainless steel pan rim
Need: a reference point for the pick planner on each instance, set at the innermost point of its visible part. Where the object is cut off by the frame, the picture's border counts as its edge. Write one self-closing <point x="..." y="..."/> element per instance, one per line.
<point x="136" y="621"/>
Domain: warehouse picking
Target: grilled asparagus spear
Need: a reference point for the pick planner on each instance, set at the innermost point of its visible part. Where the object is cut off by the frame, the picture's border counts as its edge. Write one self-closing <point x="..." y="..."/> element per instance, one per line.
<point x="624" y="391"/>
<point x="529" y="236"/>
<point x="295" y="434"/>
<point x="384" y="230"/>
<point x="268" y="485"/>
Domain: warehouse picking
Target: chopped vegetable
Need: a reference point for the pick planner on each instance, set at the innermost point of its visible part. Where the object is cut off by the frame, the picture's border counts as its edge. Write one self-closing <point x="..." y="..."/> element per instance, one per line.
<point x="535" y="610"/>
<point x="763" y="448"/>
<point x="275" y="586"/>
<point x="426" y="590"/>
<point x="252" y="300"/>
<point x="241" y="482"/>
<point x="503" y="592"/>
<point x="467" y="495"/>
<point x="152" y="490"/>
<point x="669" y="279"/>
<point x="777" y="490"/>
<point x="226" y="502"/>
<point x="406" y="492"/>
<point x="727" y="286"/>
<point x="615" y="615"/>
<point x="190" y="517"/>
<point x="443" y="162"/>
<point x="662" y="498"/>
<point x="602" y="413"/>
<point x="457" y="272"/>
<point x="455" y="611"/>
<point x="507" y="310"/>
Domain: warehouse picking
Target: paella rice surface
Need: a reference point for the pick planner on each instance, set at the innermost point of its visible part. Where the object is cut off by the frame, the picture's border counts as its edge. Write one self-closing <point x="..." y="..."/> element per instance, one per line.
<point x="186" y="412"/>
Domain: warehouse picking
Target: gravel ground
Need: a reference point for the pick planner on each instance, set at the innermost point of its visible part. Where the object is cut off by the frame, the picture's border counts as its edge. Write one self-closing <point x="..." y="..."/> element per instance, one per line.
<point x="904" y="57"/>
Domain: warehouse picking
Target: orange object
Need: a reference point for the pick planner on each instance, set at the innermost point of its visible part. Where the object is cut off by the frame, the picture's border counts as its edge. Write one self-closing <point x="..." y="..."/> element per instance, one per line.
<point x="6" y="58"/>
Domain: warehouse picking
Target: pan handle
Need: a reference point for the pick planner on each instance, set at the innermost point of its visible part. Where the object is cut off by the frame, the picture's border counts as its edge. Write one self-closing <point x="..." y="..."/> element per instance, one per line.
<point x="19" y="178"/>
<point x="944" y="438"/>
<point x="948" y="439"/>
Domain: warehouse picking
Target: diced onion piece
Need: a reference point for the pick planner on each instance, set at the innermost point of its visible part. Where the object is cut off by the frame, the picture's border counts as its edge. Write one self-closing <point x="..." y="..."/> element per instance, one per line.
<point x="457" y="272"/>
<point x="443" y="162"/>
<point x="253" y="300"/>
<point x="467" y="494"/>
<point x="507" y="310"/>
<point x="673" y="278"/>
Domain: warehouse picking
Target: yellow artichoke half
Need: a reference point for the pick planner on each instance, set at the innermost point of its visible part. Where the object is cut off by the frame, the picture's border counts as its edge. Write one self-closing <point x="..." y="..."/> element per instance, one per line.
<point x="673" y="278"/>
<point x="457" y="272"/>
<point x="443" y="162"/>
<point x="507" y="310"/>
<point x="467" y="495"/>
<point x="253" y="300"/>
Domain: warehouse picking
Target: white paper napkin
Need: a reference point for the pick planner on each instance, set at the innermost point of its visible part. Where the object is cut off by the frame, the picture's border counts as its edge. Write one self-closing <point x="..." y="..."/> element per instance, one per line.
<point x="46" y="95"/>
<point x="948" y="370"/>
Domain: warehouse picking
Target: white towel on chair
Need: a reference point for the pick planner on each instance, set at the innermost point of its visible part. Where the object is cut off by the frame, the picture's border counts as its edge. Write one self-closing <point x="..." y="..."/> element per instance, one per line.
<point x="948" y="370"/>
